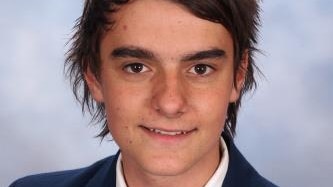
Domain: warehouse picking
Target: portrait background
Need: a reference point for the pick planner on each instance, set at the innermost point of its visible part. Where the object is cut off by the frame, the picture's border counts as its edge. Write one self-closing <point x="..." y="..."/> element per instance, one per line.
<point x="284" y="129"/>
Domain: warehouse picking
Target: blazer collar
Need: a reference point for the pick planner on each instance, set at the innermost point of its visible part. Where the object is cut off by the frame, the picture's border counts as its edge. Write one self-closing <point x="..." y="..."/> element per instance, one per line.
<point x="106" y="175"/>
<point x="240" y="172"/>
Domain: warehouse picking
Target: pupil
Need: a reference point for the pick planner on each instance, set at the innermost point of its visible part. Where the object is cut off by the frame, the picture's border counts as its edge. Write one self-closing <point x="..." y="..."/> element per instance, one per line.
<point x="136" y="68"/>
<point x="200" y="69"/>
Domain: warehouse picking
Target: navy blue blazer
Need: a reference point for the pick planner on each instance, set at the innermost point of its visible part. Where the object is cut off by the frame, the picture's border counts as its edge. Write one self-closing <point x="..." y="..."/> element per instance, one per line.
<point x="103" y="174"/>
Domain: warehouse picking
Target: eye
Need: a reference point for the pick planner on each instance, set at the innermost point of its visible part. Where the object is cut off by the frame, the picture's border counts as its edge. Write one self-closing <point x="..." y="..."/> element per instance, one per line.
<point x="201" y="69"/>
<point x="135" y="68"/>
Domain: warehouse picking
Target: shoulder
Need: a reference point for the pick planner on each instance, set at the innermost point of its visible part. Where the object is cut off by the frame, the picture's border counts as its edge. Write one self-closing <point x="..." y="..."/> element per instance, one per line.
<point x="76" y="177"/>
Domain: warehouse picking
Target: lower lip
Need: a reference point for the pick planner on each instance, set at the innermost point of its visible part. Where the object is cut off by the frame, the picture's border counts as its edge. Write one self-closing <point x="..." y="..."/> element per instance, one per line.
<point x="168" y="138"/>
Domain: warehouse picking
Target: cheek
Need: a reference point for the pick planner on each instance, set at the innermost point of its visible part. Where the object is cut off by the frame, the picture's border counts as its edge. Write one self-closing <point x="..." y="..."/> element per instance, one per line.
<point x="121" y="110"/>
<point x="120" y="101"/>
<point x="116" y="119"/>
<point x="119" y="124"/>
<point x="212" y="106"/>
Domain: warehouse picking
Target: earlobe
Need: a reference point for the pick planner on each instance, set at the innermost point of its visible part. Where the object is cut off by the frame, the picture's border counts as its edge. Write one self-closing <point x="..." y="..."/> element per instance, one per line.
<point x="240" y="77"/>
<point x="94" y="85"/>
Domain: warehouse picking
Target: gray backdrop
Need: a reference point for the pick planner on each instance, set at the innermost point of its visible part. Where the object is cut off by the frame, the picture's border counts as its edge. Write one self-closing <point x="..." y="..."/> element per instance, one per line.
<point x="285" y="128"/>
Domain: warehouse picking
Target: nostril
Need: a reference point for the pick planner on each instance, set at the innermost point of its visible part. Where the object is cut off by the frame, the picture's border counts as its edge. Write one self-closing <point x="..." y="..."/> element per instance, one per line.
<point x="170" y="114"/>
<point x="170" y="106"/>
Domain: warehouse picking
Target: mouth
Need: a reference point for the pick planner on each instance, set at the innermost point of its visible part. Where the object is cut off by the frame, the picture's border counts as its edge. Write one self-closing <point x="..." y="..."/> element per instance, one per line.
<point x="168" y="132"/>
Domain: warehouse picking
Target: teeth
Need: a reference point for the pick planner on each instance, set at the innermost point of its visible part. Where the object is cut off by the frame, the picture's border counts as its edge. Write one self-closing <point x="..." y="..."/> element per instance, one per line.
<point x="167" y="133"/>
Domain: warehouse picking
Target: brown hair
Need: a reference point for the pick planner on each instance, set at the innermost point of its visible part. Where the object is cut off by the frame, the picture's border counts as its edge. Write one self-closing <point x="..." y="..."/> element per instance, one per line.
<point x="239" y="17"/>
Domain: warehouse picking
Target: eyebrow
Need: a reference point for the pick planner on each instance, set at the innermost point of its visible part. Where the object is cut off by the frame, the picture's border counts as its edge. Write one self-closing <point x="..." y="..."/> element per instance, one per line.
<point x="141" y="53"/>
<point x="134" y="52"/>
<point x="208" y="54"/>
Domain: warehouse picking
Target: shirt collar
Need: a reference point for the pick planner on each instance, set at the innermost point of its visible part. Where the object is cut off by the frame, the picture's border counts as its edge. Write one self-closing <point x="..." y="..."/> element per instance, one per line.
<point x="220" y="173"/>
<point x="216" y="180"/>
<point x="120" y="180"/>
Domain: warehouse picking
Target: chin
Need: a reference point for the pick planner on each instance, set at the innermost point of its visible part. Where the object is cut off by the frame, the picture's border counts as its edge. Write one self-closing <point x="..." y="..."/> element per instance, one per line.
<point x="163" y="167"/>
<point x="166" y="170"/>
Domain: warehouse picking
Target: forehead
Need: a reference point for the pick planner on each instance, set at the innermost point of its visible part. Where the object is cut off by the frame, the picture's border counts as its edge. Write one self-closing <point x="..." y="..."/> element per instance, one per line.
<point x="161" y="25"/>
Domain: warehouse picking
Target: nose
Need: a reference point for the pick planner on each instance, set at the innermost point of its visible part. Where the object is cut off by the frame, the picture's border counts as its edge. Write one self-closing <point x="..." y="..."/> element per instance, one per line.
<point x="169" y="97"/>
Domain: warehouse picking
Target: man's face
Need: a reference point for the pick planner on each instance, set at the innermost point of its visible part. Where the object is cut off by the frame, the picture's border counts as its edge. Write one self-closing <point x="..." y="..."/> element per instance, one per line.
<point x="166" y="82"/>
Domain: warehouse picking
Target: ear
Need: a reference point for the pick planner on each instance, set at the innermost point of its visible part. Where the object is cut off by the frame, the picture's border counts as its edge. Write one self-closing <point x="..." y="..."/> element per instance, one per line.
<point x="240" y="77"/>
<point x="94" y="86"/>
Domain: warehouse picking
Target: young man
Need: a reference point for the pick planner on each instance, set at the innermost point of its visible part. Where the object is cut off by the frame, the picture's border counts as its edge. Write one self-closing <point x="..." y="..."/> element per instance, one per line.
<point x="166" y="77"/>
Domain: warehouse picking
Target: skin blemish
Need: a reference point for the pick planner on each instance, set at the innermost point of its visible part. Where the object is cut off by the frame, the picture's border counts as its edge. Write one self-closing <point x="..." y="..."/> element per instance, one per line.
<point x="125" y="27"/>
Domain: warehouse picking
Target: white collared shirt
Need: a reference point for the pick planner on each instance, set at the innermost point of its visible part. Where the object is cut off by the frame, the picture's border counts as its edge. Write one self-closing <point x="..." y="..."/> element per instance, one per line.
<point x="216" y="180"/>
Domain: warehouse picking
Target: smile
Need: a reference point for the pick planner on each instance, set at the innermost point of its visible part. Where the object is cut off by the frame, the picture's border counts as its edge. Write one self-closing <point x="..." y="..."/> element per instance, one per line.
<point x="167" y="132"/>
